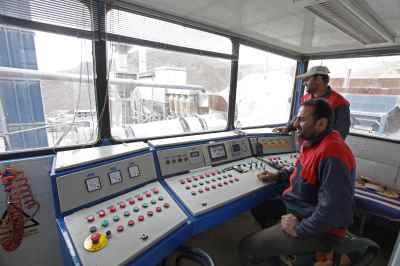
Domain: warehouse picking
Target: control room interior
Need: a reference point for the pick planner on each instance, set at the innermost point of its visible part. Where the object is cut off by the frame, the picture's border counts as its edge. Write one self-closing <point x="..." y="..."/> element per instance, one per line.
<point x="132" y="132"/>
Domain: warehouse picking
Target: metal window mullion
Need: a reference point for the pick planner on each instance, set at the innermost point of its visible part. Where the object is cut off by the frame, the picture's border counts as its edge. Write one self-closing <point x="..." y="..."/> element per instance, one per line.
<point x="101" y="80"/>
<point x="298" y="89"/>
<point x="165" y="46"/>
<point x="39" y="26"/>
<point x="233" y="84"/>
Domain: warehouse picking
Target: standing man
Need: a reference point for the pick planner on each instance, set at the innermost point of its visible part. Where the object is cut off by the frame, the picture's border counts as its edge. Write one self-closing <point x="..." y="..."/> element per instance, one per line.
<point x="319" y="199"/>
<point x="316" y="80"/>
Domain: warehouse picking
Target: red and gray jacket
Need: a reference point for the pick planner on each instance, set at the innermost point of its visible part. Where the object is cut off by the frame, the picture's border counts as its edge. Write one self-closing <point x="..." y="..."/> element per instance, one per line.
<point x="321" y="186"/>
<point x="340" y="107"/>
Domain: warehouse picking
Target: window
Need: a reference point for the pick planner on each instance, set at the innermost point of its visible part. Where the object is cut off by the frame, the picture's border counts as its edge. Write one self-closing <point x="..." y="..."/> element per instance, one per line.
<point x="372" y="86"/>
<point x="155" y="92"/>
<point x="264" y="88"/>
<point x="137" y="26"/>
<point x="46" y="90"/>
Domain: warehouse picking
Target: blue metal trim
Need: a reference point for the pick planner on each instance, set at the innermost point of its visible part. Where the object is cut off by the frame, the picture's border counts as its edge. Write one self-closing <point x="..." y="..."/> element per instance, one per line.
<point x="217" y="216"/>
<point x="298" y="88"/>
<point x="68" y="250"/>
<point x="377" y="209"/>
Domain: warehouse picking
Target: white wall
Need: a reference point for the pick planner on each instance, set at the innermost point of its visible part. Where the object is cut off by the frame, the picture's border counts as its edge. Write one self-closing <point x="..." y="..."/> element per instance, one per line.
<point x="377" y="159"/>
<point x="41" y="248"/>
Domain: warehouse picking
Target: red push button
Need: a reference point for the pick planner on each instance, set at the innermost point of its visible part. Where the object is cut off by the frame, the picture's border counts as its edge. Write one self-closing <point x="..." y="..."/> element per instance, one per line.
<point x="131" y="222"/>
<point x="112" y="209"/>
<point x="201" y="176"/>
<point x="120" y="228"/>
<point x="189" y="180"/>
<point x="90" y="219"/>
<point x="195" y="178"/>
<point x="102" y="213"/>
<point x="122" y="205"/>
<point x="148" y="194"/>
<point x="95" y="238"/>
<point x="155" y="190"/>
<point x="141" y="218"/>
<point x="182" y="181"/>
<point x="140" y="198"/>
<point x="131" y="201"/>
<point x="158" y="209"/>
<point x="207" y="188"/>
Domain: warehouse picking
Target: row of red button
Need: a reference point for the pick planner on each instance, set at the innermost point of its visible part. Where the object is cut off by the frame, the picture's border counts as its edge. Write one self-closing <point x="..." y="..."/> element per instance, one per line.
<point x="196" y="178"/>
<point x="206" y="188"/>
<point x="122" y="205"/>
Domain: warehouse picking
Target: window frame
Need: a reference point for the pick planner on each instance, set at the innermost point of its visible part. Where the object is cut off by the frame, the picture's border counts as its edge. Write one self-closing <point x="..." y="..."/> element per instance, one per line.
<point x="98" y="36"/>
<point x="295" y="84"/>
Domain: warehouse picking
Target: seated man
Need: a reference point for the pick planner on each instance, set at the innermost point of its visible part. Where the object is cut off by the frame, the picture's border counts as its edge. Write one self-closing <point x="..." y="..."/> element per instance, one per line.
<point x="319" y="199"/>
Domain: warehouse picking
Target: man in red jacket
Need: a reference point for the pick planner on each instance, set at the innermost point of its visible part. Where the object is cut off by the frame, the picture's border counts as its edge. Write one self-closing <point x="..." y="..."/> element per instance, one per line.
<point x="319" y="199"/>
<point x="316" y="80"/>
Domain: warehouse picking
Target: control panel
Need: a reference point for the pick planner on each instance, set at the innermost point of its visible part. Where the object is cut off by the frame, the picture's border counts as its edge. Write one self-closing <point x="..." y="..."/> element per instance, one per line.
<point x="205" y="189"/>
<point x="111" y="204"/>
<point x="97" y="182"/>
<point x="118" y="230"/>
<point x="281" y="161"/>
<point x="182" y="159"/>
<point x="263" y="145"/>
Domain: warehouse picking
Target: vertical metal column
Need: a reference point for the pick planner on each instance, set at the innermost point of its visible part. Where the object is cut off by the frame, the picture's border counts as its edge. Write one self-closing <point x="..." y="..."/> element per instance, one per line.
<point x="233" y="84"/>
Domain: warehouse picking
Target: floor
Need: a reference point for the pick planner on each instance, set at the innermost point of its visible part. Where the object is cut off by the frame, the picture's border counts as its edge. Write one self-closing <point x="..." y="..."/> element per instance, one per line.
<point x="222" y="241"/>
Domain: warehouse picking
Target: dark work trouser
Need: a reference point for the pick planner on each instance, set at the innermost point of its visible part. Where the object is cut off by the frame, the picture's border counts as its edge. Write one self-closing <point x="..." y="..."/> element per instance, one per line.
<point x="264" y="247"/>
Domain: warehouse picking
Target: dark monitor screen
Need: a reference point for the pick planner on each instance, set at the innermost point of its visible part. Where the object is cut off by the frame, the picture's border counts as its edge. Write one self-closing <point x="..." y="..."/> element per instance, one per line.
<point x="235" y="148"/>
<point x="217" y="152"/>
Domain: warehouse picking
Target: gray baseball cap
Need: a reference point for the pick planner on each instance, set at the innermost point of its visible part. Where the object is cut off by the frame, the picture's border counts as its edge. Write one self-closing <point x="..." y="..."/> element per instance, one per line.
<point x="317" y="70"/>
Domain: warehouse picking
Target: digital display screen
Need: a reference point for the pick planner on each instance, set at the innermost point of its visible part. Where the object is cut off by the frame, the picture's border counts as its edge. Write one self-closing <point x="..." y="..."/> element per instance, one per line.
<point x="93" y="184"/>
<point x="134" y="171"/>
<point x="217" y="152"/>
<point x="115" y="177"/>
<point x="194" y="154"/>
<point x="236" y="147"/>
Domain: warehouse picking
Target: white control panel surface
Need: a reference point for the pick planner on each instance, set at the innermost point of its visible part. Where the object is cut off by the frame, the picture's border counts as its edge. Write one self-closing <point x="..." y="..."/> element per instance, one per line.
<point x="206" y="189"/>
<point x="129" y="224"/>
<point x="87" y="185"/>
<point x="179" y="160"/>
<point x="281" y="161"/>
<point x="68" y="159"/>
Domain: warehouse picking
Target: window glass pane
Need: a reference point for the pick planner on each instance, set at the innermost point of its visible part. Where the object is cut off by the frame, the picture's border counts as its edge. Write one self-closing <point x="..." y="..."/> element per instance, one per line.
<point x="372" y="86"/>
<point x="141" y="27"/>
<point x="155" y="92"/>
<point x="46" y="90"/>
<point x="264" y="88"/>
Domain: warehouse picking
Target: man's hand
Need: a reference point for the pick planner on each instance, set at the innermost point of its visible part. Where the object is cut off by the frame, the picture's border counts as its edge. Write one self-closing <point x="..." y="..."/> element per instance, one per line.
<point x="289" y="223"/>
<point x="281" y="129"/>
<point x="267" y="177"/>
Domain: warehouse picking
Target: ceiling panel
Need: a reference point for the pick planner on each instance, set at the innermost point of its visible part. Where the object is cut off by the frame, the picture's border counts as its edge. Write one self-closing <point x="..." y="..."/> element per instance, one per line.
<point x="277" y="22"/>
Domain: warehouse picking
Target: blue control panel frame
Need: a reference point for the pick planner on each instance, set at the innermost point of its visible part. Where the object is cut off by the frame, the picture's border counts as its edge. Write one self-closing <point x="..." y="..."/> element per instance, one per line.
<point x="151" y="256"/>
<point x="193" y="225"/>
<point x="217" y="216"/>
